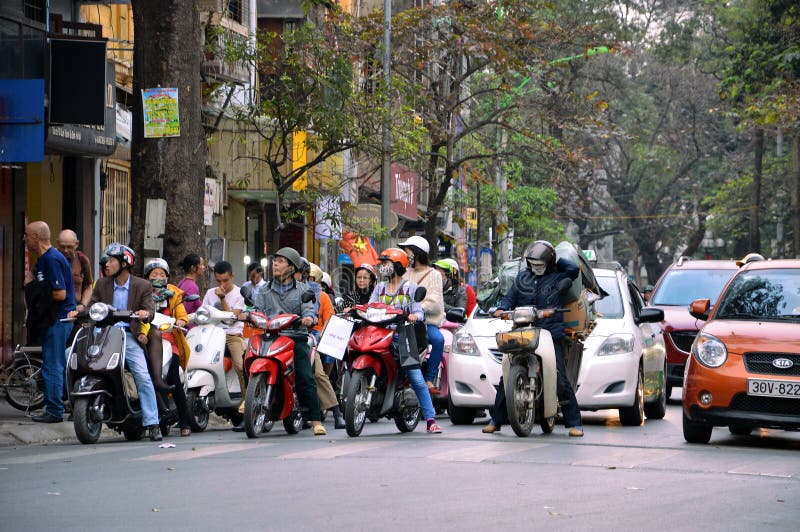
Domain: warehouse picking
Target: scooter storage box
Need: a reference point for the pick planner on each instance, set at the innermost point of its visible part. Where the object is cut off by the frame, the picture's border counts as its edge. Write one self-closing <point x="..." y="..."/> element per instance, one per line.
<point x="576" y="319"/>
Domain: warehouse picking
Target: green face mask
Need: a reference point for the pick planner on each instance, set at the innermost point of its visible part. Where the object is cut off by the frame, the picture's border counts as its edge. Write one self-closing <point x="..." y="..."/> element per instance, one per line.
<point x="158" y="283"/>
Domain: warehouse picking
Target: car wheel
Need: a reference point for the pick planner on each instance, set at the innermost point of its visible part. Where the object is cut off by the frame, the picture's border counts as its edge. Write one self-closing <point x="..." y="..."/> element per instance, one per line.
<point x="657" y="409"/>
<point x="459" y="415"/>
<point x="740" y="430"/>
<point x="633" y="416"/>
<point x="694" y="432"/>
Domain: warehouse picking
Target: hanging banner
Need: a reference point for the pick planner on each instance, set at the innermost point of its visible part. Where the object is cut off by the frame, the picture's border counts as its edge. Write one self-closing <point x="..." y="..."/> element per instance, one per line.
<point x="210" y="201"/>
<point x="161" y="116"/>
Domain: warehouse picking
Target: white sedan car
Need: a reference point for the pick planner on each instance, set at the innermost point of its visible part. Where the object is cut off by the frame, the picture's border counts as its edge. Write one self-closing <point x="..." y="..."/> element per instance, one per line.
<point x="623" y="363"/>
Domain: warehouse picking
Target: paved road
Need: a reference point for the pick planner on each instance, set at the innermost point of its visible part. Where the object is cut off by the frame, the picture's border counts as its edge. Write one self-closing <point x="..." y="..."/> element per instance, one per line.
<point x="621" y="478"/>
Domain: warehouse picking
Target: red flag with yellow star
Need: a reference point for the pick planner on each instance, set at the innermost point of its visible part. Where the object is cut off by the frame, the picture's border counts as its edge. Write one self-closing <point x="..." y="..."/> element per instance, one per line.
<point x="358" y="248"/>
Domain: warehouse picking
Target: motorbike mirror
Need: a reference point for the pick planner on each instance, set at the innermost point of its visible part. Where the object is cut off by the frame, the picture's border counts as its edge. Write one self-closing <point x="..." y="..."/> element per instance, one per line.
<point x="191" y="297"/>
<point x="563" y="286"/>
<point x="247" y="294"/>
<point x="308" y="297"/>
<point x="420" y="294"/>
<point x="456" y="315"/>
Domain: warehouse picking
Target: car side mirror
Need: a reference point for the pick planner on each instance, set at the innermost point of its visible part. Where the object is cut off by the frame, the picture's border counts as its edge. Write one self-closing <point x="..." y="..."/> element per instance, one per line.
<point x="650" y="315"/>
<point x="308" y="297"/>
<point x="456" y="315"/>
<point x="191" y="297"/>
<point x="420" y="294"/>
<point x="699" y="308"/>
<point x="247" y="294"/>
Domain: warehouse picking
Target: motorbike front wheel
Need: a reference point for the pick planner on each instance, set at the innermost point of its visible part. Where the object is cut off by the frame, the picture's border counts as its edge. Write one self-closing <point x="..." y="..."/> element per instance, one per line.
<point x="198" y="411"/>
<point x="355" y="410"/>
<point x="255" y="413"/>
<point x="520" y="402"/>
<point x="87" y="427"/>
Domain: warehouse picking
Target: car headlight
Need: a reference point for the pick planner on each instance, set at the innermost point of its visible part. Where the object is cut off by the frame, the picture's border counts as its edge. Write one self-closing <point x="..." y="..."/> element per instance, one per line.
<point x="616" y="344"/>
<point x="98" y="312"/>
<point x="202" y="316"/>
<point x="709" y="350"/>
<point x="464" y="344"/>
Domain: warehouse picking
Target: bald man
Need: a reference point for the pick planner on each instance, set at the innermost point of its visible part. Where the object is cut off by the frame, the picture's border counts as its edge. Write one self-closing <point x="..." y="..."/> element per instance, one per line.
<point x="51" y="286"/>
<point x="67" y="243"/>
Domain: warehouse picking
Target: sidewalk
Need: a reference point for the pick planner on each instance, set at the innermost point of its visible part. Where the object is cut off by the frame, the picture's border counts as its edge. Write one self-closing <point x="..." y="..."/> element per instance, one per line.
<point x="17" y="428"/>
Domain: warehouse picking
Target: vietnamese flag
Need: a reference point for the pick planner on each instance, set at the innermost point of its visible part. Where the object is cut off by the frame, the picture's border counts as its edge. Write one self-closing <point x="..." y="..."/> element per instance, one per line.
<point x="358" y="248"/>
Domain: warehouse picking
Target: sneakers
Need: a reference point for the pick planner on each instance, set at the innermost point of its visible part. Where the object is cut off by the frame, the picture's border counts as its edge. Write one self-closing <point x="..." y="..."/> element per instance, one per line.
<point x="319" y="430"/>
<point x="154" y="432"/>
<point x="47" y="418"/>
<point x="434" y="428"/>
<point x="491" y="429"/>
<point x="576" y="432"/>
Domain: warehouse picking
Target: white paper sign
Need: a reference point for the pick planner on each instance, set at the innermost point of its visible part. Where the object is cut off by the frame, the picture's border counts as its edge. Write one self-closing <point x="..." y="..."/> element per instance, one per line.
<point x="333" y="341"/>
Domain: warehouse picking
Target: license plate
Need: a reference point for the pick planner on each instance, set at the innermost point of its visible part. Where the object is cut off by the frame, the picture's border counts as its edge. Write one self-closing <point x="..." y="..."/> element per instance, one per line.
<point x="771" y="388"/>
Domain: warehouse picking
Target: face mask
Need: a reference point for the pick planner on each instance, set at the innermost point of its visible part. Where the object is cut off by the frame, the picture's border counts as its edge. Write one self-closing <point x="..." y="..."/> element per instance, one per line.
<point x="411" y="259"/>
<point x="386" y="270"/>
<point x="538" y="267"/>
<point x="158" y="283"/>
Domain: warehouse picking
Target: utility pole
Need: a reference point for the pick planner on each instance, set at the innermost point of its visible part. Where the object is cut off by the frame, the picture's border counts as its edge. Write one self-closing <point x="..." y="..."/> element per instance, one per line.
<point x="386" y="162"/>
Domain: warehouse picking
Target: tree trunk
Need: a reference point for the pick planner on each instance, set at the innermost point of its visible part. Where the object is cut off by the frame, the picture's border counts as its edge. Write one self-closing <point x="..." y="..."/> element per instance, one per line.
<point x="755" y="237"/>
<point x="794" y="194"/>
<point x="167" y="53"/>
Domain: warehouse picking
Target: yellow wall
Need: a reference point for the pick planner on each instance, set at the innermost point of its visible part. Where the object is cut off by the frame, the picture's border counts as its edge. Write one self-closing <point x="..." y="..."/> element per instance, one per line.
<point x="117" y="22"/>
<point x="45" y="183"/>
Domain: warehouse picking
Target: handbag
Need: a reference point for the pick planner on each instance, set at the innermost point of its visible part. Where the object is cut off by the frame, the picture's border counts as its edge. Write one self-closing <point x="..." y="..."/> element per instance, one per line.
<point x="334" y="339"/>
<point x="407" y="345"/>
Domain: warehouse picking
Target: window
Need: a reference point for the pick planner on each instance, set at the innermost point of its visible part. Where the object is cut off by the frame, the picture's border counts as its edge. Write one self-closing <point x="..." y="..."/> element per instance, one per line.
<point x="35" y="10"/>
<point x="234" y="10"/>
<point x="611" y="305"/>
<point x="116" y="206"/>
<point x="682" y="287"/>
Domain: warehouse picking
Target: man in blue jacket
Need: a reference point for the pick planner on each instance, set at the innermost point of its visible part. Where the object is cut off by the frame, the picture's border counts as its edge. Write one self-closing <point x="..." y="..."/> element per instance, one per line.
<point x="537" y="286"/>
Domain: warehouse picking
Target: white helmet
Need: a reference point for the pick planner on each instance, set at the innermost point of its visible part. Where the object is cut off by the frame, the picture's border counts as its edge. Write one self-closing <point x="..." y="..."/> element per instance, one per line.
<point x="418" y="242"/>
<point x="326" y="279"/>
<point x="453" y="264"/>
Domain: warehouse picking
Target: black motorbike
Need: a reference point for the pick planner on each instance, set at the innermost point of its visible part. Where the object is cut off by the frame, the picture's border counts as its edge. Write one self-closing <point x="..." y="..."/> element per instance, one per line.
<point x="101" y="389"/>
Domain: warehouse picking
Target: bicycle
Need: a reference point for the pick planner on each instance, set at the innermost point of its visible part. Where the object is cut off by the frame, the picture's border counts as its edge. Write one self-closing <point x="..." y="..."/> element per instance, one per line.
<point x="22" y="379"/>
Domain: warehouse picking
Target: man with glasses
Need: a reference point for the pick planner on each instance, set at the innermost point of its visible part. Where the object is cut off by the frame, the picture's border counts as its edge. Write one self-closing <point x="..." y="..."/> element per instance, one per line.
<point x="67" y="243"/>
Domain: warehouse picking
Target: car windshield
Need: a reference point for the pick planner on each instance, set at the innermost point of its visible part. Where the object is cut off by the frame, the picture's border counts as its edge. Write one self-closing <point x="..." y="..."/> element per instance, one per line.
<point x="759" y="294"/>
<point x="611" y="305"/>
<point x="681" y="287"/>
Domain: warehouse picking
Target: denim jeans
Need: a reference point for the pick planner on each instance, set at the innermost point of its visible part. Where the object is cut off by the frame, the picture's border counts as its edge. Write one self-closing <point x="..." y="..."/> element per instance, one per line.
<point x="53" y="367"/>
<point x="436" y="340"/>
<point x="566" y="395"/>
<point x="136" y="363"/>
<point x="421" y="389"/>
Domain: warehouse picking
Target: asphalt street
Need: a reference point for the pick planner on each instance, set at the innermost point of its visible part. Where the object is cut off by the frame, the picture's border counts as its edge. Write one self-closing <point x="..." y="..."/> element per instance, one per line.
<point x="614" y="478"/>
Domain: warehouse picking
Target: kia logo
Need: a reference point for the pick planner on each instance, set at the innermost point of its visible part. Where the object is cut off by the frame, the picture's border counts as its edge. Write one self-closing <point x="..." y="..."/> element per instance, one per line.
<point x="782" y="363"/>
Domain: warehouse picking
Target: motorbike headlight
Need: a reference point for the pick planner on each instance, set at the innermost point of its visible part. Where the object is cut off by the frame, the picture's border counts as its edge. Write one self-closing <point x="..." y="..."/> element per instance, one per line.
<point x="98" y="312"/>
<point x="113" y="361"/>
<point x="464" y="344"/>
<point x="258" y="321"/>
<point x="524" y="315"/>
<point x="278" y="323"/>
<point x="616" y="344"/>
<point x="202" y="316"/>
<point x="709" y="350"/>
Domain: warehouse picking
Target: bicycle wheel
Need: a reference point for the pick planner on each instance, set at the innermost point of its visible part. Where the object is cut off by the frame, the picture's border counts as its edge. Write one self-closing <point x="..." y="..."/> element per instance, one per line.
<point x="25" y="388"/>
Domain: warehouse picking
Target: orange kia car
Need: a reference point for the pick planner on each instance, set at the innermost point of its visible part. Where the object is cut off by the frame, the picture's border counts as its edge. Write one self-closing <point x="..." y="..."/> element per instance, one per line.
<point x="744" y="369"/>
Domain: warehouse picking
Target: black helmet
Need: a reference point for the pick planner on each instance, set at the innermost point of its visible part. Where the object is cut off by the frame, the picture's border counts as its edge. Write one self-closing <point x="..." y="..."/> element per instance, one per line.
<point x="541" y="250"/>
<point x="121" y="252"/>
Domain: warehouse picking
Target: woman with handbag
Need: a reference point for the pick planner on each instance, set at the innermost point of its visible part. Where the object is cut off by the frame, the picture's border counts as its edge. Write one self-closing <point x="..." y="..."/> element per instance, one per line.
<point x="422" y="274"/>
<point x="398" y="292"/>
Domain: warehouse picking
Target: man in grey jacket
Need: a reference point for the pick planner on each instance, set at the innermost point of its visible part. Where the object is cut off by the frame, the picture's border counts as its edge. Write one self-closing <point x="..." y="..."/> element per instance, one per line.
<point x="284" y="294"/>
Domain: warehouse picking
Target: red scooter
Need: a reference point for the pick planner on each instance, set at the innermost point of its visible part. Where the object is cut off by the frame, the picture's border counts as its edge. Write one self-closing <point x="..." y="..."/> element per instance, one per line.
<point x="269" y="363"/>
<point x="376" y="387"/>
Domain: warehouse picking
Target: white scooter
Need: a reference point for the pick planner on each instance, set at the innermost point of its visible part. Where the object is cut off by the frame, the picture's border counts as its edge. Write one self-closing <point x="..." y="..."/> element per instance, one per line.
<point x="212" y="381"/>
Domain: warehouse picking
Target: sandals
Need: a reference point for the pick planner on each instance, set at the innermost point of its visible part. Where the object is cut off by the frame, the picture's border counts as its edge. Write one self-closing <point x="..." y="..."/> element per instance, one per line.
<point x="319" y="430"/>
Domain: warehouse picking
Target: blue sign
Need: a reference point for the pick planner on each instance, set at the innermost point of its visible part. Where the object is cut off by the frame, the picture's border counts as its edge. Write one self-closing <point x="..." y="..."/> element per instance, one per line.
<point x="21" y="120"/>
<point x="344" y="258"/>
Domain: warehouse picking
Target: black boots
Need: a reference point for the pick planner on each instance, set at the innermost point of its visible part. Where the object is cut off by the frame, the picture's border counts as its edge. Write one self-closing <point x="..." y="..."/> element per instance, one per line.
<point x="338" y="418"/>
